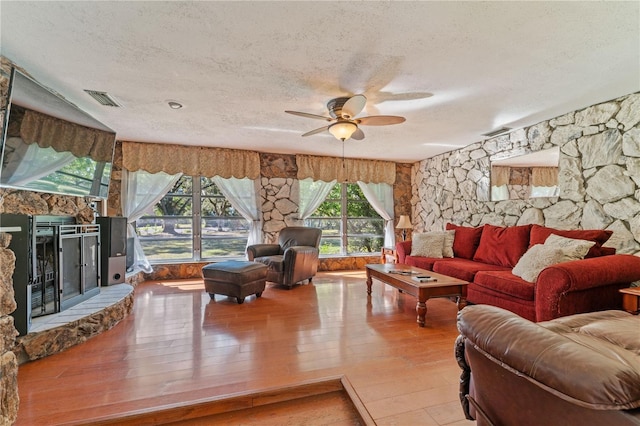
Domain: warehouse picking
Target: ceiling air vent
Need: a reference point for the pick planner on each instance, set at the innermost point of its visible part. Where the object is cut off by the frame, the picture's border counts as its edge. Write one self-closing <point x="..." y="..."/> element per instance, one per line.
<point x="103" y="98"/>
<point x="496" y="132"/>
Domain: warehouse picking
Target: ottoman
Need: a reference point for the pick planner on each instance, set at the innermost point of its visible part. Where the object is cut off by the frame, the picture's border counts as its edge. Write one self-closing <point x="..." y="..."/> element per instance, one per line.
<point x="235" y="278"/>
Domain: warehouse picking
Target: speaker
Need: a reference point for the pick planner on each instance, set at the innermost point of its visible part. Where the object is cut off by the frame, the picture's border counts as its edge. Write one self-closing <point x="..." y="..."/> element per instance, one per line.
<point x="131" y="254"/>
<point x="113" y="235"/>
<point x="113" y="249"/>
<point x="115" y="272"/>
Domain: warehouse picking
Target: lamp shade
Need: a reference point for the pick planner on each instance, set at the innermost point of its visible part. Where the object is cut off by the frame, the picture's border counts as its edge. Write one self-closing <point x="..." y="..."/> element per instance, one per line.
<point x="404" y="223"/>
<point x="343" y="130"/>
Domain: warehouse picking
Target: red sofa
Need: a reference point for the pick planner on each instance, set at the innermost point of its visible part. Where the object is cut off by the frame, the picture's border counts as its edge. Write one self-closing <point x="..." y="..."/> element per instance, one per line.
<point x="486" y="255"/>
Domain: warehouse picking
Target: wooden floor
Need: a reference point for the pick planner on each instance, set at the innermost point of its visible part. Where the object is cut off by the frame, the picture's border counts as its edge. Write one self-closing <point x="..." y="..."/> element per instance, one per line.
<point x="179" y="346"/>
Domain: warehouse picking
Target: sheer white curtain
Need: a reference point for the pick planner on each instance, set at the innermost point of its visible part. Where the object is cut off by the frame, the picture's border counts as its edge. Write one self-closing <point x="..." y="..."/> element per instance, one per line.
<point x="312" y="194"/>
<point x="544" y="191"/>
<point x="27" y="163"/>
<point x="380" y="196"/>
<point x="141" y="191"/>
<point x="243" y="196"/>
<point x="499" y="193"/>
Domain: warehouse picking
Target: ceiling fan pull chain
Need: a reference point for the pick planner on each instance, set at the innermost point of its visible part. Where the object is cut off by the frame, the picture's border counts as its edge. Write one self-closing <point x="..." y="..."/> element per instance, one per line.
<point x="344" y="167"/>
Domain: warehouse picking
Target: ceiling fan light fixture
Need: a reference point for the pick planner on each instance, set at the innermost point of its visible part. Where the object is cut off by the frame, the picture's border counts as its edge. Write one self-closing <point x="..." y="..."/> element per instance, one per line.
<point x="342" y="130"/>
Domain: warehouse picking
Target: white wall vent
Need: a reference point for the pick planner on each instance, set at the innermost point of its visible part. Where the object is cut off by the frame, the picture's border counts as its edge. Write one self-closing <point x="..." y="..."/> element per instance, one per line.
<point x="496" y="132"/>
<point x="103" y="98"/>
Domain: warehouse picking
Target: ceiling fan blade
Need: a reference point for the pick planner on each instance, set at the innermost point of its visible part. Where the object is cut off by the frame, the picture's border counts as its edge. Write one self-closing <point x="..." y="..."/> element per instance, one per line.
<point x="353" y="106"/>
<point x="358" y="135"/>
<point x="380" y="120"/>
<point x="313" y="132"/>
<point x="308" y="115"/>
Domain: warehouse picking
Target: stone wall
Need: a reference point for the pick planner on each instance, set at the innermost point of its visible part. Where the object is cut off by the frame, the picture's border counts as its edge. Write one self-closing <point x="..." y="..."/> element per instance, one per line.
<point x="179" y="271"/>
<point x="599" y="177"/>
<point x="9" y="399"/>
<point x="114" y="206"/>
<point x="279" y="194"/>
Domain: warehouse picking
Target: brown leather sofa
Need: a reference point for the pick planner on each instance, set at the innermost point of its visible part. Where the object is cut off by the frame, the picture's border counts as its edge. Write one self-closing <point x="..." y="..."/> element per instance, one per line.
<point x="581" y="370"/>
<point x="293" y="259"/>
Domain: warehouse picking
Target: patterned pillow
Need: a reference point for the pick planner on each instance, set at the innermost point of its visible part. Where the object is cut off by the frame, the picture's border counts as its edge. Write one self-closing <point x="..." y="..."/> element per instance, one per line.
<point x="536" y="259"/>
<point x="576" y="249"/>
<point x="428" y="244"/>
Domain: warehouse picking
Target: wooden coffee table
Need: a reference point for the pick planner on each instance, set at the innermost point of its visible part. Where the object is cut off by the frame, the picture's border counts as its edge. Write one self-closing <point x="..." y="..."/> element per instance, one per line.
<point x="444" y="286"/>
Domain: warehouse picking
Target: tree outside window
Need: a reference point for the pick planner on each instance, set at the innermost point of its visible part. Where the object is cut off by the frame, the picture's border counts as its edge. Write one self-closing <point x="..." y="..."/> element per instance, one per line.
<point x="349" y="223"/>
<point x="168" y="232"/>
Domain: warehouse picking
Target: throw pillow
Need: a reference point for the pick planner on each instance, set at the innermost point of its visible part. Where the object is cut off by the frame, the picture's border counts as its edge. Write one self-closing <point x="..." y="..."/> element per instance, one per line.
<point x="536" y="259"/>
<point x="449" y="238"/>
<point x="428" y="244"/>
<point x="576" y="249"/>
<point x="466" y="240"/>
<point x="502" y="246"/>
<point x="539" y="235"/>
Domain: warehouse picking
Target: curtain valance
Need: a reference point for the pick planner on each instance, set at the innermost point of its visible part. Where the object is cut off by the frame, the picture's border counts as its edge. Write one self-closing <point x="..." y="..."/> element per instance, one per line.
<point x="544" y="176"/>
<point x="500" y="175"/>
<point x="190" y="160"/>
<point x="539" y="176"/>
<point x="51" y="132"/>
<point x="345" y="170"/>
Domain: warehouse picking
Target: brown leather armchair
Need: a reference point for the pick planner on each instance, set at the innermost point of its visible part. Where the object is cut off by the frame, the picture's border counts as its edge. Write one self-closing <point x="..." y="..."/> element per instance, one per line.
<point x="293" y="259"/>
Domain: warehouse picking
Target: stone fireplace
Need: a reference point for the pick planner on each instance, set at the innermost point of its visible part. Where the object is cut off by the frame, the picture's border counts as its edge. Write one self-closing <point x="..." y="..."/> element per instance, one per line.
<point x="57" y="264"/>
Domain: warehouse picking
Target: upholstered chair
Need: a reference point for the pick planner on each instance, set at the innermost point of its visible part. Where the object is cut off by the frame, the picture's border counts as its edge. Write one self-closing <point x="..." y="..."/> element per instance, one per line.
<point x="293" y="259"/>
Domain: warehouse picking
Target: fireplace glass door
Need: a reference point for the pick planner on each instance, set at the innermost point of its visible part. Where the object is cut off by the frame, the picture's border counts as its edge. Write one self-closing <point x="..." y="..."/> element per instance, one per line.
<point x="79" y="263"/>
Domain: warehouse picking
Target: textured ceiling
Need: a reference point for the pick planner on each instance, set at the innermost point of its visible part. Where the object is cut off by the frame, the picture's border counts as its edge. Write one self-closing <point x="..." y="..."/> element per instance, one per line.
<point x="455" y="70"/>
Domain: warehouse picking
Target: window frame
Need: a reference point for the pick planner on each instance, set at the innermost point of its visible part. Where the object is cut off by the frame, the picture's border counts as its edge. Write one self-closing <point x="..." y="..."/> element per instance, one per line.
<point x="344" y="221"/>
<point x="196" y="196"/>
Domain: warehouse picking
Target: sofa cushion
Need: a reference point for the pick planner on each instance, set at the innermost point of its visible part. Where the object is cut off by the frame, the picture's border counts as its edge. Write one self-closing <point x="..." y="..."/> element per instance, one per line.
<point x="275" y="262"/>
<point x="465" y="241"/>
<point x="539" y="235"/>
<point x="603" y="251"/>
<point x="481" y="295"/>
<point x="463" y="269"/>
<point x="502" y="246"/>
<point x="421" y="262"/>
<point x="506" y="283"/>
<point x="425" y="262"/>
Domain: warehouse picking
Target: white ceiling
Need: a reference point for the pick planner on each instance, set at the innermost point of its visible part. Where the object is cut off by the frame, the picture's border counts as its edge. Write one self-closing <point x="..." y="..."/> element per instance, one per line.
<point x="236" y="66"/>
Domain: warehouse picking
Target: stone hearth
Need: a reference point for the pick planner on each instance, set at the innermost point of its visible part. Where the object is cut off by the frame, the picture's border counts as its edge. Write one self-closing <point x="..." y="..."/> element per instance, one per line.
<point x="54" y="333"/>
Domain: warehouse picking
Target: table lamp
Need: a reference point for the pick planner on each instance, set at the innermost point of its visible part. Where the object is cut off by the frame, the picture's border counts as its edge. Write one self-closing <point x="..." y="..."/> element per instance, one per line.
<point x="404" y="223"/>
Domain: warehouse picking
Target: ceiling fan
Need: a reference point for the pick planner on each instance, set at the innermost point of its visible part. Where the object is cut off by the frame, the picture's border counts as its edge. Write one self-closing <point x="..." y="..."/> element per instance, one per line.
<point x="344" y="124"/>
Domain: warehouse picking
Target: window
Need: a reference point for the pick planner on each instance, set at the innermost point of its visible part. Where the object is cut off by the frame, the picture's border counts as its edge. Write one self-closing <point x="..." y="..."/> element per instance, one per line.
<point x="349" y="223"/>
<point x="168" y="233"/>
